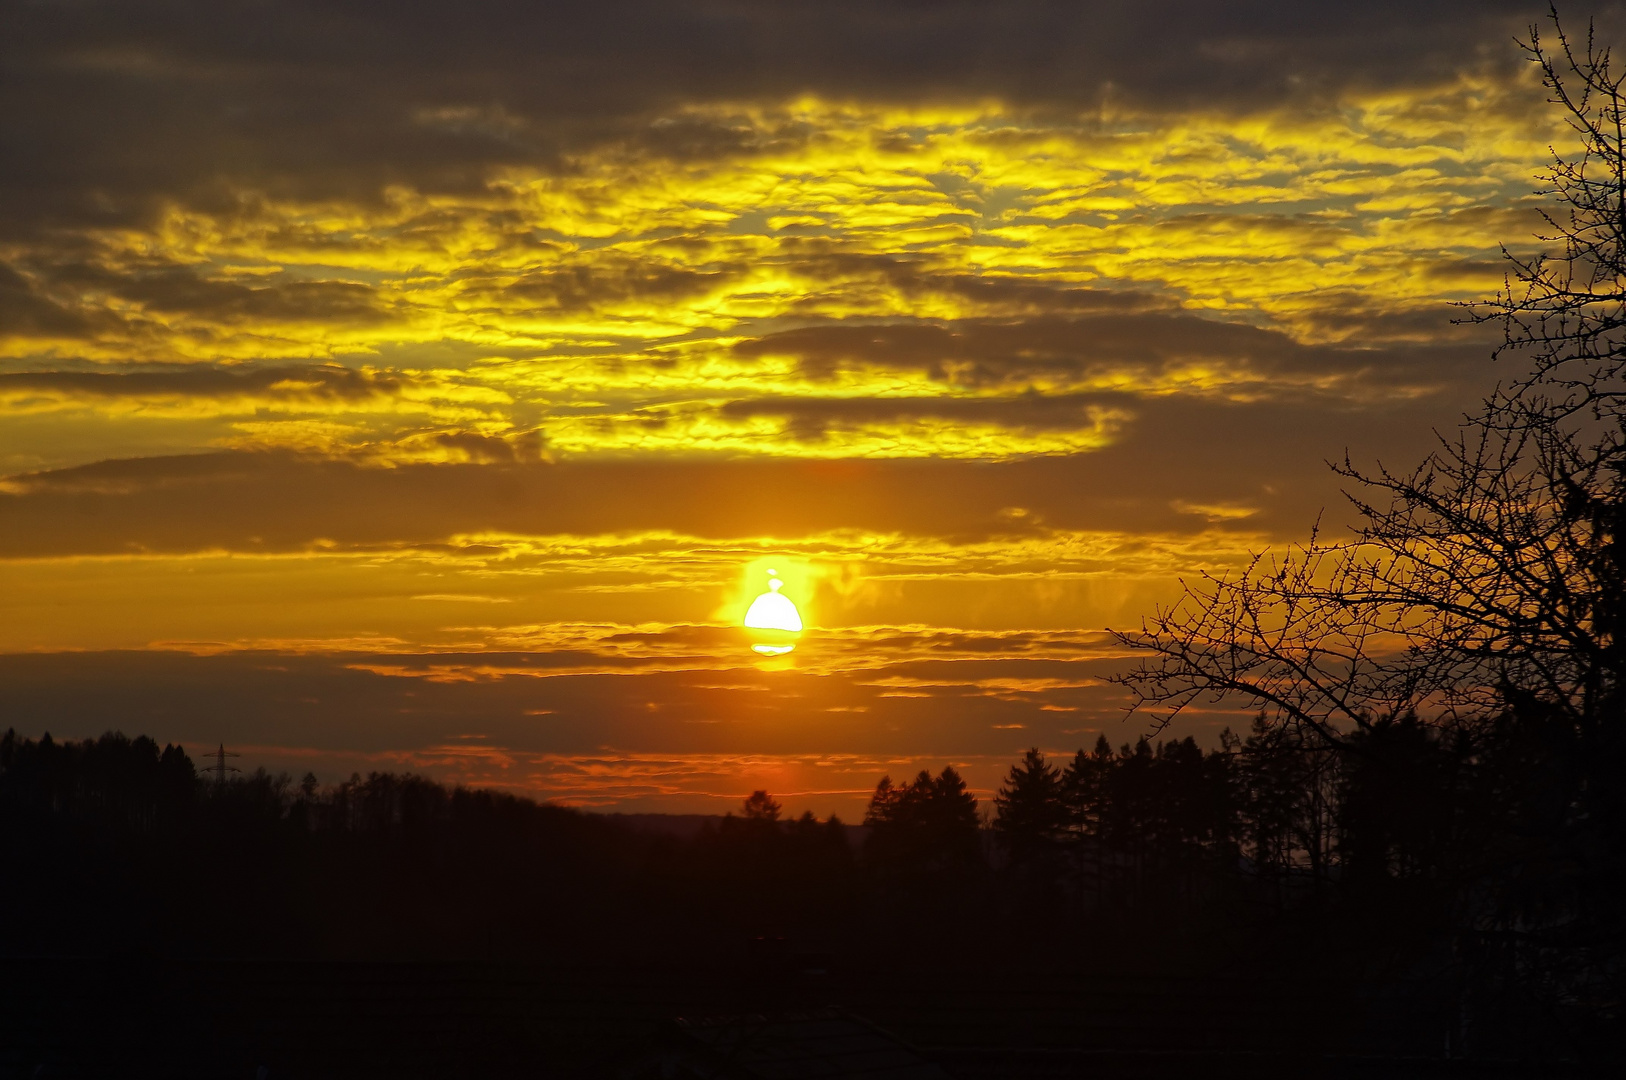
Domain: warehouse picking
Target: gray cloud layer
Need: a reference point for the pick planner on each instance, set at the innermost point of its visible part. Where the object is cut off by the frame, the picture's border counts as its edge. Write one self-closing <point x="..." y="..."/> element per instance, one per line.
<point x="994" y="353"/>
<point x="1268" y="456"/>
<point x="309" y="381"/>
<point x="110" y="106"/>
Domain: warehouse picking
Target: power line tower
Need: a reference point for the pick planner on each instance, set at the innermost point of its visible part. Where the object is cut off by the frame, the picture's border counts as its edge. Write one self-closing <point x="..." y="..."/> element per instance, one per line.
<point x="220" y="768"/>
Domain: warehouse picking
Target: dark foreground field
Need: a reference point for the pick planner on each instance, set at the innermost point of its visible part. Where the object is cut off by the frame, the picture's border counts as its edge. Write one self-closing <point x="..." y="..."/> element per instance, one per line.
<point x="335" y="1019"/>
<point x="1152" y="912"/>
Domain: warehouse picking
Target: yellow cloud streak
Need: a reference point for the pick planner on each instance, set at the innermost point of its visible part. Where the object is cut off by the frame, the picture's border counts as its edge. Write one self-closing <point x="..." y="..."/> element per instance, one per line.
<point x="631" y="275"/>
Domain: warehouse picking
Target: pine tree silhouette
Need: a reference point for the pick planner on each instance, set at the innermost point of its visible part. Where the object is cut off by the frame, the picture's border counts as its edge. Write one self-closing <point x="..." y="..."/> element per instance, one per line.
<point x="1031" y="810"/>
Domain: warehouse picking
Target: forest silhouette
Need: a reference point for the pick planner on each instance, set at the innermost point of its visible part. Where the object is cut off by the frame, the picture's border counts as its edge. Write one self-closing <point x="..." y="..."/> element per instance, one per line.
<point x="1269" y="858"/>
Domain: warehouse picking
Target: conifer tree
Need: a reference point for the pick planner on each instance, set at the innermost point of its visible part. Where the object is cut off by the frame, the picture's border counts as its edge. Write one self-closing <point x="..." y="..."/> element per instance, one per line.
<point x="1085" y="785"/>
<point x="927" y="825"/>
<point x="1031" y="810"/>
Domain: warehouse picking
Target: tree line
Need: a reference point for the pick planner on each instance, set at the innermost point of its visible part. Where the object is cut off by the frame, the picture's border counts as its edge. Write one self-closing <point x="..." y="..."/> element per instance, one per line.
<point x="1267" y="855"/>
<point x="1268" y="820"/>
<point x="1279" y="810"/>
<point x="1108" y="828"/>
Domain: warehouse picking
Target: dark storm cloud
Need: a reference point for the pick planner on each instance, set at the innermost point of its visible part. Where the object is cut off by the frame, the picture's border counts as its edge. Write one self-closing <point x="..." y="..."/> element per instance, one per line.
<point x="993" y="353"/>
<point x="593" y="279"/>
<point x="920" y="277"/>
<point x="1266" y="456"/>
<point x="491" y="449"/>
<point x="182" y="291"/>
<point x="1022" y="295"/>
<point x="585" y="287"/>
<point x="110" y="107"/>
<point x="29" y="310"/>
<point x="700" y="138"/>
<point x="25" y="311"/>
<point x="301" y="381"/>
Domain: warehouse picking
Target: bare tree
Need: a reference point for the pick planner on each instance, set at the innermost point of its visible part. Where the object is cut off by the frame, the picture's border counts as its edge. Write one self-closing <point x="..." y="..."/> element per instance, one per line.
<point x="1482" y="596"/>
<point x="1494" y="573"/>
<point x="1566" y="308"/>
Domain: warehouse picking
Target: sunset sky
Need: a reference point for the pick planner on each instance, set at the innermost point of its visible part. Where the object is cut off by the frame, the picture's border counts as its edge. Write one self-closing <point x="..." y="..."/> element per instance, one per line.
<point x="430" y="386"/>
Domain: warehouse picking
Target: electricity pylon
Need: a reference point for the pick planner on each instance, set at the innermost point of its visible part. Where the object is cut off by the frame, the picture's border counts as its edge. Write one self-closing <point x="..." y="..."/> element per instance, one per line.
<point x="220" y="768"/>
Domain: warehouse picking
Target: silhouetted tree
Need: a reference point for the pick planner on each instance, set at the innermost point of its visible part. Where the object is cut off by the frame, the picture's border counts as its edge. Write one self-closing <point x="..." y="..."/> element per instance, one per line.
<point x="1479" y="610"/>
<point x="1030" y="809"/>
<point x="1397" y="806"/>
<point x="1084" y="787"/>
<point x="927" y="827"/>
<point x="760" y="806"/>
<point x="113" y="779"/>
<point x="1286" y="792"/>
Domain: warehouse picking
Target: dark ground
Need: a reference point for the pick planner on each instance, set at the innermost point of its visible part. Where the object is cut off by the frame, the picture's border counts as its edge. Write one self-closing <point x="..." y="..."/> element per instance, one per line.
<point x="230" y="1019"/>
<point x="155" y="924"/>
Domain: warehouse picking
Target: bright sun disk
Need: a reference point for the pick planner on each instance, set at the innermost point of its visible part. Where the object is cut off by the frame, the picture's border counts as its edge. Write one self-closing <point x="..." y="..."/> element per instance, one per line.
<point x="773" y="611"/>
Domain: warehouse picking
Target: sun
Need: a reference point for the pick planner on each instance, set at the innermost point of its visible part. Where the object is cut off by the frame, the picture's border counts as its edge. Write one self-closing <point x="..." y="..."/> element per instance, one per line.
<point x="775" y="618"/>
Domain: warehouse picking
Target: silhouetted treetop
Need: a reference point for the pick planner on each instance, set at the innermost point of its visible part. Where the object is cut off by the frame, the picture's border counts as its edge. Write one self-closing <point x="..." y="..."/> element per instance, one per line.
<point x="760" y="806"/>
<point x="927" y="825"/>
<point x="1031" y="813"/>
